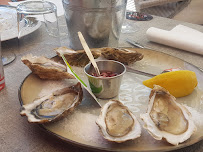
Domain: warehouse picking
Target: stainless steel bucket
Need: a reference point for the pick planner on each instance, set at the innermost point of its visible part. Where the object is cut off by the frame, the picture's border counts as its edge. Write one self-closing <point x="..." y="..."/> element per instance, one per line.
<point x="100" y="21"/>
<point x="105" y="87"/>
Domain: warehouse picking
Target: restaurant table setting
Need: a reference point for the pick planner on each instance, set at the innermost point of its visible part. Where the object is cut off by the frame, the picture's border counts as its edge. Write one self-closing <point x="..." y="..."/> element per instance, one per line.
<point x="163" y="47"/>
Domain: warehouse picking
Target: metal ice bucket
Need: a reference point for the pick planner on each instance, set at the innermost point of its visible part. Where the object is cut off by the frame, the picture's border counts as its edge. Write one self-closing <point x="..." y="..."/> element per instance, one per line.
<point x="100" y="21"/>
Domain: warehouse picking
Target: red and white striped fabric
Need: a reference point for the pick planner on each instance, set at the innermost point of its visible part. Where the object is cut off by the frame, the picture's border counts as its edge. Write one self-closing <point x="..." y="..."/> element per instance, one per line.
<point x="2" y="82"/>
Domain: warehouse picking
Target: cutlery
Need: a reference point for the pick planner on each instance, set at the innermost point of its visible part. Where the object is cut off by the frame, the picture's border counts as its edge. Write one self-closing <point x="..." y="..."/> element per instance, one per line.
<point x="128" y="69"/>
<point x="14" y="0"/>
<point x="137" y="44"/>
<point x="142" y="47"/>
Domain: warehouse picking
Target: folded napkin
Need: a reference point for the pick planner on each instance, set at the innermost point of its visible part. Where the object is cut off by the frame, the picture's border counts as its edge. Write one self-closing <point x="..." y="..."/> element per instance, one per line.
<point x="58" y="4"/>
<point x="181" y="37"/>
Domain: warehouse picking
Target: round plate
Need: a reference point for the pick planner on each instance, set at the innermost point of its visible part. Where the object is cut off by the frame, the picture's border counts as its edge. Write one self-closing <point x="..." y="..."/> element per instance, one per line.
<point x="80" y="128"/>
<point x="8" y="26"/>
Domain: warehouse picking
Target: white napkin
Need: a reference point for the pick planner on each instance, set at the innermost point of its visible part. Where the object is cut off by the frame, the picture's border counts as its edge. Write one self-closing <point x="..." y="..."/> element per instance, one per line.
<point x="181" y="37"/>
<point x="58" y="4"/>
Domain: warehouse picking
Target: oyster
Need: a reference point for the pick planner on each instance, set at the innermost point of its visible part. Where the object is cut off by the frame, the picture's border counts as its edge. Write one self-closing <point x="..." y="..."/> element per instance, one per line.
<point x="165" y="118"/>
<point x="46" y="68"/>
<point x="125" y="56"/>
<point x="76" y="58"/>
<point x="53" y="106"/>
<point x="117" y="123"/>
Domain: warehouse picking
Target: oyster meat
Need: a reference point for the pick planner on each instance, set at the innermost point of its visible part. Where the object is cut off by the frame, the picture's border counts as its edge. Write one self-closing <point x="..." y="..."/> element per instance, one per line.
<point x="46" y="68"/>
<point x="77" y="58"/>
<point x="167" y="119"/>
<point x="117" y="123"/>
<point x="126" y="56"/>
<point x="53" y="106"/>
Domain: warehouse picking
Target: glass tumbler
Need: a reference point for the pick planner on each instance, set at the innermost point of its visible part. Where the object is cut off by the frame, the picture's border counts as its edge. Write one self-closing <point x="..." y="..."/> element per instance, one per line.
<point x="38" y="30"/>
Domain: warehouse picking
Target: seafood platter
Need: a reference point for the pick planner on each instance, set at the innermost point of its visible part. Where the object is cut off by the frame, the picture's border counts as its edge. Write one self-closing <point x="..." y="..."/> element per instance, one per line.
<point x="161" y="113"/>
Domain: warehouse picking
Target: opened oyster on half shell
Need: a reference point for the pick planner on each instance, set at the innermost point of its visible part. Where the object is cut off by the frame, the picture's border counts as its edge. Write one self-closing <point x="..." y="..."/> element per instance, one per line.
<point x="53" y="106"/>
<point x="76" y="58"/>
<point x="117" y="123"/>
<point x="126" y="56"/>
<point x="167" y="119"/>
<point x="46" y="68"/>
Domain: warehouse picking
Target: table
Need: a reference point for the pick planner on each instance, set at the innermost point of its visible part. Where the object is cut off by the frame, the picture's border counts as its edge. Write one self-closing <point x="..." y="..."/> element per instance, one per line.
<point x="4" y="2"/>
<point x="17" y="135"/>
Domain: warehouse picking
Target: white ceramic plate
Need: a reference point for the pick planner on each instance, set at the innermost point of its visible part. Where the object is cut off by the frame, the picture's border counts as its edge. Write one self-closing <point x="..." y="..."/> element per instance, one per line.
<point x="8" y="23"/>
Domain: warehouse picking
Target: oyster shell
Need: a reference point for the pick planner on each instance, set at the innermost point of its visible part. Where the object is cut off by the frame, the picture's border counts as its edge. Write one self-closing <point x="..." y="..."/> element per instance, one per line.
<point x="53" y="106"/>
<point x="76" y="58"/>
<point x="117" y="123"/>
<point x="46" y="68"/>
<point x="125" y="56"/>
<point x="165" y="118"/>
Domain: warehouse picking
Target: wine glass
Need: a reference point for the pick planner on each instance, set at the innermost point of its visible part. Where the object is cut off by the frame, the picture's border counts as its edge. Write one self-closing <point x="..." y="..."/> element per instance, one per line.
<point x="2" y="79"/>
<point x="8" y="30"/>
<point x="7" y="56"/>
<point x="46" y="38"/>
<point x="133" y="13"/>
<point x="130" y="27"/>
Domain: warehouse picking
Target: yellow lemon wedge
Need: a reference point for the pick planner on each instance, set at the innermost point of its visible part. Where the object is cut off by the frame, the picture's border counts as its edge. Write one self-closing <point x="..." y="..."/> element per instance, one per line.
<point x="178" y="83"/>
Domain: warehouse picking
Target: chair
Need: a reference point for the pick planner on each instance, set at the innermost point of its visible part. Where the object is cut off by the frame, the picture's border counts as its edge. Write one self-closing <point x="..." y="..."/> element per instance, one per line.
<point x="192" y="13"/>
<point x="163" y="8"/>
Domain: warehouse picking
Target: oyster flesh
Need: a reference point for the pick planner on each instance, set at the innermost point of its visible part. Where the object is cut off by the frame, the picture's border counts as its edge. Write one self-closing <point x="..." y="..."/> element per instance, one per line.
<point x="126" y="56"/>
<point x="53" y="106"/>
<point x="117" y="123"/>
<point x="76" y="58"/>
<point x="165" y="118"/>
<point x="46" y="68"/>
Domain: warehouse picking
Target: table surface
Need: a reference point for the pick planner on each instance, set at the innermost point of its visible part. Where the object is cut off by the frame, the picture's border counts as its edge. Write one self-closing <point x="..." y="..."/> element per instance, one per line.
<point x="17" y="135"/>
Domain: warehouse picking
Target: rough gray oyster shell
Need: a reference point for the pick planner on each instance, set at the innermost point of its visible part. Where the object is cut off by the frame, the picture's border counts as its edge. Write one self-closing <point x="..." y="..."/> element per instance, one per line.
<point x="117" y="123"/>
<point x="167" y="119"/>
<point x="76" y="58"/>
<point x="46" y="68"/>
<point x="126" y="56"/>
<point x="53" y="106"/>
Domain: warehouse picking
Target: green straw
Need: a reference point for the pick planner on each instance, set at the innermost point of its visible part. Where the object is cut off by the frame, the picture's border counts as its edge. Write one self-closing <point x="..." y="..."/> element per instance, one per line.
<point x="64" y="59"/>
<point x="78" y="78"/>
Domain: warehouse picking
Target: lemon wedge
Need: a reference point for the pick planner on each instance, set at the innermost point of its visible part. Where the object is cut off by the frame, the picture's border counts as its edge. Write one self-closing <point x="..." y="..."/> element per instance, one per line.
<point x="178" y="83"/>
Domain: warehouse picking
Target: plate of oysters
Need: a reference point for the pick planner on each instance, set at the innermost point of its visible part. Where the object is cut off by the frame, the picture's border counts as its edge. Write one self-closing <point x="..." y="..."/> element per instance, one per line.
<point x="159" y="113"/>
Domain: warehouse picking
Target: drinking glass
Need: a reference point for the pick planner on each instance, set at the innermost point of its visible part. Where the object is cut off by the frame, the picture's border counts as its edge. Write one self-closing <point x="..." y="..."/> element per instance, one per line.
<point x="43" y="16"/>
